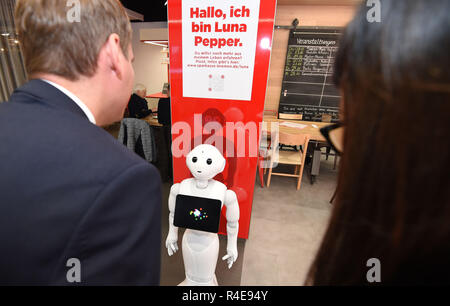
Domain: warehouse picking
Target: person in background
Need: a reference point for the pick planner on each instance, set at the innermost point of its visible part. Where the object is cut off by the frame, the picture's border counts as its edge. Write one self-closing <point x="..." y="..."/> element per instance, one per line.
<point x="164" y="118"/>
<point x="76" y="206"/>
<point x="164" y="110"/>
<point x="138" y="106"/>
<point x="393" y="196"/>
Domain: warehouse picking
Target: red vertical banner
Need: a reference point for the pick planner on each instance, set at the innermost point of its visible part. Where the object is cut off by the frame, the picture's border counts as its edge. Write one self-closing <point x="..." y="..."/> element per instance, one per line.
<point x="219" y="64"/>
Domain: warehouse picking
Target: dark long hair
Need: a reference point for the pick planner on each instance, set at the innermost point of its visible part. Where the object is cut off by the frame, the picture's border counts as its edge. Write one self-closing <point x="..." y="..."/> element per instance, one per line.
<point x="393" y="197"/>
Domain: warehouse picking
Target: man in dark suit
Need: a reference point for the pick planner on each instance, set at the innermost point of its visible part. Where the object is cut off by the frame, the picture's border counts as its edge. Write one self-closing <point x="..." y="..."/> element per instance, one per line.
<point x="76" y="206"/>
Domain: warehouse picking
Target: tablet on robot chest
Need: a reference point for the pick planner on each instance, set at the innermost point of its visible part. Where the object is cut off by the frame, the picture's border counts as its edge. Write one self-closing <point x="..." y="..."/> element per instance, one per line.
<point x="202" y="214"/>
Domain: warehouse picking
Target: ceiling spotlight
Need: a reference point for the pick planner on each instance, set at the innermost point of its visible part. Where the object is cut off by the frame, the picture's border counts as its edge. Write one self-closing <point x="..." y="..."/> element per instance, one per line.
<point x="156" y="43"/>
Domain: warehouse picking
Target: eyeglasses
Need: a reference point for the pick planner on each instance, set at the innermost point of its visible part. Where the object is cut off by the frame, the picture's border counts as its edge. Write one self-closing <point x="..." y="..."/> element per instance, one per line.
<point x="334" y="135"/>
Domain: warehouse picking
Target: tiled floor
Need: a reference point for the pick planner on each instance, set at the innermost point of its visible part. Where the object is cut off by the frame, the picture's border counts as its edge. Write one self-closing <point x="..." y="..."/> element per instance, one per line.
<point x="172" y="268"/>
<point x="286" y="228"/>
<point x="285" y="231"/>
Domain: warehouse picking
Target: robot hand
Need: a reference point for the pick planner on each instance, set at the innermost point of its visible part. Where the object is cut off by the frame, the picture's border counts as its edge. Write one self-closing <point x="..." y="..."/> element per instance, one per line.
<point x="231" y="257"/>
<point x="171" y="244"/>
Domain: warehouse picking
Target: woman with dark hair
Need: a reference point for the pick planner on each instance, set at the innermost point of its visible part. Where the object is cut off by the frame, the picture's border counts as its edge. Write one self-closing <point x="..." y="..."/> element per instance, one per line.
<point x="393" y="195"/>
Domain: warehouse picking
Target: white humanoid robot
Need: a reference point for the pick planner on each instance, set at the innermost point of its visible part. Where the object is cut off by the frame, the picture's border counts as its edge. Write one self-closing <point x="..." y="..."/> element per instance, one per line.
<point x="201" y="249"/>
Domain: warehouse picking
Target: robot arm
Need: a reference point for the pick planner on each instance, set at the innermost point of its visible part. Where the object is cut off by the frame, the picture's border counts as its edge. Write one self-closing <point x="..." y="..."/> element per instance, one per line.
<point x="232" y="215"/>
<point x="172" y="237"/>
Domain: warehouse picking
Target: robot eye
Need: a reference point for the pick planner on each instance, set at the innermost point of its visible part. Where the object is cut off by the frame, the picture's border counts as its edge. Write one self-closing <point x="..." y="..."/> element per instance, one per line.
<point x="194" y="159"/>
<point x="209" y="161"/>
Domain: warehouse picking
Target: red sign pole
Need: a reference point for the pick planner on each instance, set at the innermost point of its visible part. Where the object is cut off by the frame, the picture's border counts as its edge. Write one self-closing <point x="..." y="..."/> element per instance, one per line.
<point x="222" y="105"/>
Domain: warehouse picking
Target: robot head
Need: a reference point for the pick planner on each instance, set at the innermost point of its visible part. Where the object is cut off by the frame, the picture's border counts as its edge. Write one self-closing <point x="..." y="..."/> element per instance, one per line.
<point x="205" y="162"/>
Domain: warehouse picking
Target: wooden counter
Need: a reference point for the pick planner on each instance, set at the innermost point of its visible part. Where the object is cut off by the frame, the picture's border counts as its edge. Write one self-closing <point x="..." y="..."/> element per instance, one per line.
<point x="151" y="120"/>
<point x="158" y="95"/>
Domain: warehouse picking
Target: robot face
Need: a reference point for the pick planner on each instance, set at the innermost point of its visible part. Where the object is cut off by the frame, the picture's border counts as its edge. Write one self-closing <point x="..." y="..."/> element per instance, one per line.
<point x="205" y="162"/>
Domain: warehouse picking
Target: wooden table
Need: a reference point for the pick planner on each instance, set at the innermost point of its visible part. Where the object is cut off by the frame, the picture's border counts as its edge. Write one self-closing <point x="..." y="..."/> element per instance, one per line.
<point x="152" y="120"/>
<point x="313" y="132"/>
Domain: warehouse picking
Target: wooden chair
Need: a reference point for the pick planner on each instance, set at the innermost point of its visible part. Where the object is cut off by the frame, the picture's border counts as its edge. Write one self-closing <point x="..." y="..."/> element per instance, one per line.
<point x="296" y="158"/>
<point x="328" y="118"/>
<point x="290" y="116"/>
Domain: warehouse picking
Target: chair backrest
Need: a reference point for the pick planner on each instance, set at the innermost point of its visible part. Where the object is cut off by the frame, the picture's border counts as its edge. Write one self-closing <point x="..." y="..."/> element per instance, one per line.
<point x="289" y="140"/>
<point x="326" y="118"/>
<point x="270" y="113"/>
<point x="291" y="116"/>
<point x="292" y="139"/>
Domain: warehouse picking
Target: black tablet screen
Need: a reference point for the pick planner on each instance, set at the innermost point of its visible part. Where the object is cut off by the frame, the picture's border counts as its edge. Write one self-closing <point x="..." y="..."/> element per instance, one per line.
<point x="202" y="214"/>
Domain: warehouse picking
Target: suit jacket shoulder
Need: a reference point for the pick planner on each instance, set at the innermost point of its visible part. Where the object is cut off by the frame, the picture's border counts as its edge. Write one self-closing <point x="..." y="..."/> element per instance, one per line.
<point x="58" y="166"/>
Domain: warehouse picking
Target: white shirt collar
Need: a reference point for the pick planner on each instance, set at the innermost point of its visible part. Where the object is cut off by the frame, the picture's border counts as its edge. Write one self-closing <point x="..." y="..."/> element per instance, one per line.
<point x="75" y="99"/>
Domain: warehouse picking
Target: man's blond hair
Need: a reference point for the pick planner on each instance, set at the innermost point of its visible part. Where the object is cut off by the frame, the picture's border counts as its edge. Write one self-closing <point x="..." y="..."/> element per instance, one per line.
<point x="53" y="43"/>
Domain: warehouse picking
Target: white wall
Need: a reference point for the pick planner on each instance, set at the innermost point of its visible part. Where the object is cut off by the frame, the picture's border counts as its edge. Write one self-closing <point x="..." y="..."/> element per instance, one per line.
<point x="147" y="64"/>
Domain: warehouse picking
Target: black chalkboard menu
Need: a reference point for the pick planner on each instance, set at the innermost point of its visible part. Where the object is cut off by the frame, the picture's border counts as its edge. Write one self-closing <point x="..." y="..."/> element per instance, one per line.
<point x="308" y="87"/>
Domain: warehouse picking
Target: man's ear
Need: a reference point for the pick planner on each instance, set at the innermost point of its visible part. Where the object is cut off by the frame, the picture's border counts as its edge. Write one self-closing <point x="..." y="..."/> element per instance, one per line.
<point x="112" y="54"/>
